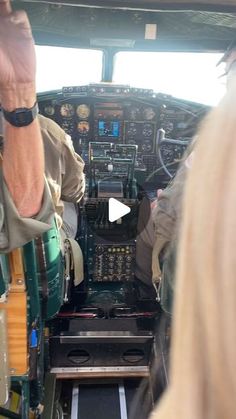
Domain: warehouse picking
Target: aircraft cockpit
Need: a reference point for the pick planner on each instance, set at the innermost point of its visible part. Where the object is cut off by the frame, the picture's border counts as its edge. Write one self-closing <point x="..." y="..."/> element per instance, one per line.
<point x="95" y="343"/>
<point x="132" y="141"/>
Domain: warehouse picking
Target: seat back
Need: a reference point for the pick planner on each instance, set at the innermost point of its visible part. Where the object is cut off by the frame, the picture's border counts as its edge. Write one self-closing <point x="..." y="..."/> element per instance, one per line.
<point x="45" y="263"/>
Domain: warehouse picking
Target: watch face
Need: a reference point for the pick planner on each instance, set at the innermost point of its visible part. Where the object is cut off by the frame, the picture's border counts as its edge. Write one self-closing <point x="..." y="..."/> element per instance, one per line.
<point x="67" y="110"/>
<point x="21" y="117"/>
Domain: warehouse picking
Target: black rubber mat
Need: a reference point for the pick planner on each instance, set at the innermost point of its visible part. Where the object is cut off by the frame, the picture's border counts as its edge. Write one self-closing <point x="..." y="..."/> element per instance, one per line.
<point x="99" y="401"/>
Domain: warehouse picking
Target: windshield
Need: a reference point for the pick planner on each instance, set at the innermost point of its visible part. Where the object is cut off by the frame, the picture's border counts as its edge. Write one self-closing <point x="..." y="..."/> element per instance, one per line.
<point x="58" y="67"/>
<point x="191" y="76"/>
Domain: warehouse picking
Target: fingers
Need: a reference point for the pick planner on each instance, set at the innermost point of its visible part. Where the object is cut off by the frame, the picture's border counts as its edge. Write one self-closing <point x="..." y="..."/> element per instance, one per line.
<point x="5" y="7"/>
<point x="154" y="204"/>
<point x="15" y="22"/>
<point x="159" y="192"/>
<point x="19" y="17"/>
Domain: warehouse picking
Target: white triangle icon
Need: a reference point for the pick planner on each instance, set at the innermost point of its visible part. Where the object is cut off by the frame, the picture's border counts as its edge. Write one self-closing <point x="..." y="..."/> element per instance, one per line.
<point x="117" y="210"/>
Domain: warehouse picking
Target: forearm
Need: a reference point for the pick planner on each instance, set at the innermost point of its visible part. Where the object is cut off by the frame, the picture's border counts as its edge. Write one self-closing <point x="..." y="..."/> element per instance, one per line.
<point x="23" y="159"/>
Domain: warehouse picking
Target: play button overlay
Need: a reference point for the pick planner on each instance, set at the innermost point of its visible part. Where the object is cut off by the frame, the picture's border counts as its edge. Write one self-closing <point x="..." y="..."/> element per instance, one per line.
<point x="117" y="210"/>
<point x="117" y="219"/>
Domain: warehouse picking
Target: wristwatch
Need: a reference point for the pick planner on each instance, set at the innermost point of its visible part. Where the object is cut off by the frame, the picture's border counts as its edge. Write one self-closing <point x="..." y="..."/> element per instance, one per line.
<point x="21" y="117"/>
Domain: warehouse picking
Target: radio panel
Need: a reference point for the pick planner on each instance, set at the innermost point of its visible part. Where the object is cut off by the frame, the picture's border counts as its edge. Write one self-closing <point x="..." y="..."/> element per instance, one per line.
<point x="114" y="262"/>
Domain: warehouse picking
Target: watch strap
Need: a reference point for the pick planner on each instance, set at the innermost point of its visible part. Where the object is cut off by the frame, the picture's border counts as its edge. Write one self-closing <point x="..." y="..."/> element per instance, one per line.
<point x="21" y="117"/>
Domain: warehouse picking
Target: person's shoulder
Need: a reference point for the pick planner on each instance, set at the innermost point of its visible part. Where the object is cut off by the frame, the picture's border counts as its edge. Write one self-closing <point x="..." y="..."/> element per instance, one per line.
<point x="50" y="126"/>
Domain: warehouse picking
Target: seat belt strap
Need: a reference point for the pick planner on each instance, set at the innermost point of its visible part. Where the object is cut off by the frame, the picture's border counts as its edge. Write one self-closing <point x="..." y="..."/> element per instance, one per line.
<point x="74" y="260"/>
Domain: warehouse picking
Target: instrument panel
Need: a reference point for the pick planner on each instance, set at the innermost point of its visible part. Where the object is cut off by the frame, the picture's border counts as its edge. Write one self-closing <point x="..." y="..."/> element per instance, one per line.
<point x="126" y="116"/>
<point x="132" y="142"/>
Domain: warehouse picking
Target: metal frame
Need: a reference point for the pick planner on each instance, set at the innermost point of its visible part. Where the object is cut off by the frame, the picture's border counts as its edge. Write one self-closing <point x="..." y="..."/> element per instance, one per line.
<point x="49" y="396"/>
<point x="100" y="372"/>
<point x="146" y="5"/>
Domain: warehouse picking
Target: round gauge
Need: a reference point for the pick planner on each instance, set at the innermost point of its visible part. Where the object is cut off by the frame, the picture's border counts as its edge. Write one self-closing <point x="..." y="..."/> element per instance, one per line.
<point x="132" y="129"/>
<point x="133" y="113"/>
<point x="67" y="110"/>
<point x="167" y="153"/>
<point x="147" y="146"/>
<point x="68" y="126"/>
<point x="149" y="113"/>
<point x="147" y="130"/>
<point x="83" y="111"/>
<point x="83" y="127"/>
<point x="168" y="127"/>
<point x="178" y="152"/>
<point x="49" y="110"/>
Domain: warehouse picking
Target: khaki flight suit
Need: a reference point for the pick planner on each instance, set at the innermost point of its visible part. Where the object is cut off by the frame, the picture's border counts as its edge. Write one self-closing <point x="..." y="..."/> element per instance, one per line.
<point x="160" y="230"/>
<point x="66" y="180"/>
<point x="63" y="166"/>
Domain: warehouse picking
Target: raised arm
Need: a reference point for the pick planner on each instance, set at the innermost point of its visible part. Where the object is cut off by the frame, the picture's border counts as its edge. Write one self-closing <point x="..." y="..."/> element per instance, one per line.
<point x="23" y="157"/>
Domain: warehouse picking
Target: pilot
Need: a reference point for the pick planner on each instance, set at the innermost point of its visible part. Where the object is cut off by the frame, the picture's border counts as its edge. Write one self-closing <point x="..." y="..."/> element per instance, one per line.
<point x="50" y="149"/>
<point x="168" y="213"/>
<point x="64" y="173"/>
<point x="166" y="222"/>
<point x="158" y="233"/>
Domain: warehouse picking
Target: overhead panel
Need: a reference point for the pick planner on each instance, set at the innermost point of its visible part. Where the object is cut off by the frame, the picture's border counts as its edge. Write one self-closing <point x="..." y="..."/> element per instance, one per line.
<point x="55" y="23"/>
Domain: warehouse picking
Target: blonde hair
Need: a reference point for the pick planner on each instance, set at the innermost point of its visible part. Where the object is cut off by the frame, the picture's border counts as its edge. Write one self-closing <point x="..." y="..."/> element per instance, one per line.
<point x="203" y="354"/>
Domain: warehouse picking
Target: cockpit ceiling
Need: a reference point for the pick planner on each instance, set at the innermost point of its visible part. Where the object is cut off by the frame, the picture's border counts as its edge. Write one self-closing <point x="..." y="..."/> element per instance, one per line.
<point x="214" y="5"/>
<point x="205" y="26"/>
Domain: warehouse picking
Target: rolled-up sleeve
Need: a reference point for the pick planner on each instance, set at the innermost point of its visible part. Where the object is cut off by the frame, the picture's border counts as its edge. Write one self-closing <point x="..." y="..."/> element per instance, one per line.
<point x="17" y="230"/>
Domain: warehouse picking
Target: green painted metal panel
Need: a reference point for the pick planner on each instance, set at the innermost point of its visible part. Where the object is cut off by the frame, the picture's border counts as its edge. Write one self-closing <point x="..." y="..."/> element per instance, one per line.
<point x="4" y="274"/>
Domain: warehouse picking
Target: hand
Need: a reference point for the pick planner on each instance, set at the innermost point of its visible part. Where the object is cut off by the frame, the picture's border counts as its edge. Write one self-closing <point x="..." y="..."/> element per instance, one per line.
<point x="154" y="203"/>
<point x="17" y="58"/>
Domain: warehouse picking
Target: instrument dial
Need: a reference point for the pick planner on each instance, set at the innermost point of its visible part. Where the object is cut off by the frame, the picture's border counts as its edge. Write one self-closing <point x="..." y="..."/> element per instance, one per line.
<point x="179" y="152"/>
<point x="149" y="113"/>
<point x="132" y="130"/>
<point x="134" y="114"/>
<point x="83" y="111"/>
<point x="168" y="127"/>
<point x="83" y="127"/>
<point x="147" y="130"/>
<point x="49" y="110"/>
<point x="67" y="110"/>
<point x="68" y="126"/>
<point x="167" y="153"/>
<point x="147" y="146"/>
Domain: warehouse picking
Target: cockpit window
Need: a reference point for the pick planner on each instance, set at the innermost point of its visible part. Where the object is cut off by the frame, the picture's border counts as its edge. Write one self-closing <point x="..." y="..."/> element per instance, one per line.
<point x="190" y="76"/>
<point x="58" y="67"/>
